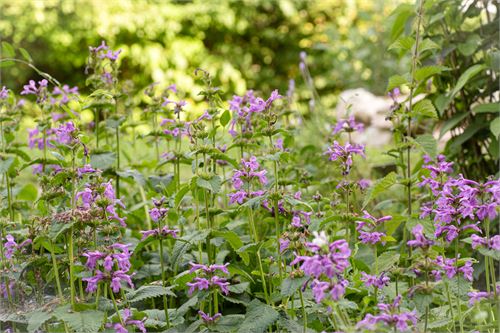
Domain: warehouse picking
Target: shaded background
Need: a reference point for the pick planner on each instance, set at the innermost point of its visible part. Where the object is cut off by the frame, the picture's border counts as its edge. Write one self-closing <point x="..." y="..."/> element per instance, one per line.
<point x="244" y="44"/>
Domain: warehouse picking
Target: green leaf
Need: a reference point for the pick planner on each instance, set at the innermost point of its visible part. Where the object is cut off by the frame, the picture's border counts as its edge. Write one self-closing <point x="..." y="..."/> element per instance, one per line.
<point x="495" y="127"/>
<point x="103" y="161"/>
<point x="25" y="55"/>
<point x="258" y="317"/>
<point x="402" y="14"/>
<point x="235" y="241"/>
<point x="427" y="44"/>
<point x="452" y="123"/>
<point x="396" y="81"/>
<point x="228" y="323"/>
<point x="428" y="71"/>
<point x="239" y="288"/>
<point x="149" y="291"/>
<point x="487" y="108"/>
<point x="58" y="228"/>
<point x="495" y="254"/>
<point x="37" y="319"/>
<point x="428" y="144"/>
<point x="180" y="194"/>
<point x="289" y="285"/>
<point x="469" y="132"/>
<point x="213" y="184"/>
<point x="29" y="192"/>
<point x="386" y="260"/>
<point x="424" y="108"/>
<point x="7" y="50"/>
<point x="225" y="118"/>
<point x="380" y="186"/>
<point x="404" y="43"/>
<point x="136" y="175"/>
<point x="88" y="321"/>
<point x="465" y="77"/>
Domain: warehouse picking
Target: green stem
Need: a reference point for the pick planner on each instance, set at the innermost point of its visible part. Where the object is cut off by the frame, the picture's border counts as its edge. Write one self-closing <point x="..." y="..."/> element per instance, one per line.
<point x="450" y="303"/>
<point x="263" y="278"/>
<point x="304" y="314"/>
<point x="459" y="306"/>
<point x="115" y="305"/>
<point x="163" y="280"/>
<point x="56" y="271"/>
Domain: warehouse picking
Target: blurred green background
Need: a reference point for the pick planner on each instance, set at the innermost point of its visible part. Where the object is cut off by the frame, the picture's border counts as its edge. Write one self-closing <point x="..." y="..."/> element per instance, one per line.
<point x="244" y="44"/>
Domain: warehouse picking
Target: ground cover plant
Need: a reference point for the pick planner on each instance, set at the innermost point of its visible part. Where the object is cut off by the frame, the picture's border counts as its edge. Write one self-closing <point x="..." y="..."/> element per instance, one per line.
<point x="157" y="209"/>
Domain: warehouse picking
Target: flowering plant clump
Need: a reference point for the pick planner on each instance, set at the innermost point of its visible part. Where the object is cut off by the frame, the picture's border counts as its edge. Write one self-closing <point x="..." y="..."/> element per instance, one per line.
<point x="173" y="207"/>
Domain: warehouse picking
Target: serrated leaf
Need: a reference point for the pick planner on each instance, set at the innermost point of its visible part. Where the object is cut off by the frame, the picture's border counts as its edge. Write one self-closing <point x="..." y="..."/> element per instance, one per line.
<point x="386" y="260"/>
<point x="149" y="291"/>
<point x="424" y="108"/>
<point x="235" y="241"/>
<point x="380" y="186"/>
<point x="228" y="323"/>
<point x="427" y="44"/>
<point x="103" y="161"/>
<point x="258" y="317"/>
<point x="289" y="285"/>
<point x="396" y="81"/>
<point x="88" y="321"/>
<point x="428" y="71"/>
<point x="213" y="184"/>
<point x="404" y="43"/>
<point x="37" y="319"/>
<point x="428" y="144"/>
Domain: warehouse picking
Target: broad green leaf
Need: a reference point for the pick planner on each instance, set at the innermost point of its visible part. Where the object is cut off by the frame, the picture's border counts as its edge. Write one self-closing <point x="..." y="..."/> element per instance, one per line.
<point x="180" y="194"/>
<point x="424" y="108"/>
<point x="380" y="186"/>
<point x="213" y="184"/>
<point x="404" y="43"/>
<point x="149" y="291"/>
<point x="289" y="285"/>
<point x="136" y="175"/>
<point x="396" y="81"/>
<point x="228" y="323"/>
<point x="423" y="73"/>
<point x="103" y="161"/>
<point x="88" y="321"/>
<point x="258" y="318"/>
<point x="427" y="44"/>
<point x="25" y="55"/>
<point x="37" y="319"/>
<point x="239" y="288"/>
<point x="236" y="243"/>
<point x="386" y="260"/>
<point x="29" y="192"/>
<point x="428" y="144"/>
<point x="402" y="14"/>
<point x="469" y="132"/>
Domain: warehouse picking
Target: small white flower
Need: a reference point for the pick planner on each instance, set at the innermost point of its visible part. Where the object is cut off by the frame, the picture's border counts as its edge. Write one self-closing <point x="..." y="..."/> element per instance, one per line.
<point x="320" y="239"/>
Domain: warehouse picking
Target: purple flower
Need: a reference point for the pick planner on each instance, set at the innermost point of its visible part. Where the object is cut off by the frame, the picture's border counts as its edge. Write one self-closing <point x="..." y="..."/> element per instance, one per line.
<point x="87" y="168"/>
<point x="200" y="284"/>
<point x="348" y="125"/>
<point x="344" y="154"/>
<point x="371" y="237"/>
<point x="420" y="240"/>
<point x="390" y="316"/>
<point x="207" y="319"/>
<point x="10" y="245"/>
<point x="4" y="93"/>
<point x="127" y="320"/>
<point x="477" y="296"/>
<point x="284" y="243"/>
<point x="375" y="281"/>
<point x="165" y="231"/>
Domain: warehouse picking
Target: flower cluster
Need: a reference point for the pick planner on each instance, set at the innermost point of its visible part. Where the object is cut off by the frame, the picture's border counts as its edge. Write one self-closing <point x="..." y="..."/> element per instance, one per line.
<point x="244" y="107"/>
<point x="10" y="246"/>
<point x="39" y="91"/>
<point x="126" y="320"/>
<point x="63" y="95"/>
<point x="366" y="229"/>
<point x="344" y="154"/>
<point x="208" y="279"/>
<point x="115" y="263"/>
<point x="250" y="170"/>
<point x="390" y="316"/>
<point x="375" y="281"/>
<point x="420" y="239"/>
<point x="102" y="197"/>
<point x="325" y="266"/>
<point x="457" y="200"/>
<point x="348" y="125"/>
<point x="207" y="319"/>
<point x="451" y="268"/>
<point x="478" y="296"/>
<point x="493" y="243"/>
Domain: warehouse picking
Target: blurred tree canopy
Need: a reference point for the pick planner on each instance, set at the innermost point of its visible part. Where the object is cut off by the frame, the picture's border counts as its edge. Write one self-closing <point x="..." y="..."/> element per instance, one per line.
<point x="244" y="44"/>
